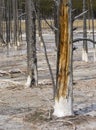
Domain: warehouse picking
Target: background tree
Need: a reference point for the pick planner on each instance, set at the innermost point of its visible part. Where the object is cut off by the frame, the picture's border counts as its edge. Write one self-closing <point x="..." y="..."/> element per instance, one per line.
<point x="1" y="19"/>
<point x="56" y="24"/>
<point x="15" y="19"/>
<point x="46" y="11"/>
<point x="85" y="46"/>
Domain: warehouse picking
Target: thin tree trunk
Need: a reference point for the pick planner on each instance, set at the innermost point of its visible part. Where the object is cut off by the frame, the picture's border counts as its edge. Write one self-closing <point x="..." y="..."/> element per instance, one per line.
<point x="45" y="51"/>
<point x="93" y="32"/>
<point x="31" y="44"/>
<point x="64" y="95"/>
<point x="56" y="15"/>
<point x="85" y="47"/>
<point x="7" y="17"/>
<point x="15" y="19"/>
<point x="1" y="21"/>
<point x="8" y="22"/>
<point x="1" y="10"/>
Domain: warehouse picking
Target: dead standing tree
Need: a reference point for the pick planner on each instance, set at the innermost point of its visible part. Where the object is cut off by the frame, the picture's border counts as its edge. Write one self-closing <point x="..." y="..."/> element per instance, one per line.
<point x="93" y="29"/>
<point x="85" y="46"/>
<point x="56" y="14"/>
<point x="15" y="19"/>
<point x="1" y="19"/>
<point x="31" y="43"/>
<point x="64" y="95"/>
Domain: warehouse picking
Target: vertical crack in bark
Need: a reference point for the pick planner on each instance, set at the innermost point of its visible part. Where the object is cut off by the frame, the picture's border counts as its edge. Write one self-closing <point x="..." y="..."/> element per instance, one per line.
<point x="64" y="51"/>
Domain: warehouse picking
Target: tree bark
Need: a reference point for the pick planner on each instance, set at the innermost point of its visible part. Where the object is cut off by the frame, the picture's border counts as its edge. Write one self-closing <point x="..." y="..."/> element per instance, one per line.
<point x="15" y="19"/>
<point x="31" y="44"/>
<point x="56" y="13"/>
<point x="85" y="47"/>
<point x="63" y="99"/>
<point x="1" y="21"/>
<point x="93" y="29"/>
<point x="8" y="22"/>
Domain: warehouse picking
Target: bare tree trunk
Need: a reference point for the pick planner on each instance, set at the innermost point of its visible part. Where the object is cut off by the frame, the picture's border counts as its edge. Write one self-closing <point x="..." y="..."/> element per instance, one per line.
<point x="56" y="15"/>
<point x="85" y="47"/>
<point x="1" y="17"/>
<point x="39" y="22"/>
<point x="45" y="51"/>
<point x="1" y="21"/>
<point x="31" y="44"/>
<point x="64" y="95"/>
<point x="15" y="19"/>
<point x="93" y="30"/>
<point x="7" y="17"/>
<point x="8" y="22"/>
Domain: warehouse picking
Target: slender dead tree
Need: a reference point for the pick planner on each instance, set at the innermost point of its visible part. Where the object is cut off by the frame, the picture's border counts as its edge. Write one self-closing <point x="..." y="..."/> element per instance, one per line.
<point x="31" y="44"/>
<point x="85" y="47"/>
<point x="56" y="15"/>
<point x="7" y="19"/>
<point x="64" y="95"/>
<point x="45" y="51"/>
<point x="1" y="8"/>
<point x="8" y="22"/>
<point x="15" y="19"/>
<point x="1" y="20"/>
<point x="93" y="29"/>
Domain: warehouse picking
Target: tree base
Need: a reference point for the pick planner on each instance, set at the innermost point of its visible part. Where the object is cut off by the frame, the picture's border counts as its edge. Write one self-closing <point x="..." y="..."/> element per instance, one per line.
<point x="63" y="107"/>
<point x="84" y="56"/>
<point x="94" y="56"/>
<point x="28" y="83"/>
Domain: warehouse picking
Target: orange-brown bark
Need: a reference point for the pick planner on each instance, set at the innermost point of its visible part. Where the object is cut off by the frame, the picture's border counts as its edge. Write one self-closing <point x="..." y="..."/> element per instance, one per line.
<point x="64" y="51"/>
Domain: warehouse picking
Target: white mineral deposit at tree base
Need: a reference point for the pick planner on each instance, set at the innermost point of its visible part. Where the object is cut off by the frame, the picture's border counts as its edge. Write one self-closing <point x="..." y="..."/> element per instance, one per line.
<point x="28" y="83"/>
<point x="84" y="56"/>
<point x="62" y="107"/>
<point x="40" y="41"/>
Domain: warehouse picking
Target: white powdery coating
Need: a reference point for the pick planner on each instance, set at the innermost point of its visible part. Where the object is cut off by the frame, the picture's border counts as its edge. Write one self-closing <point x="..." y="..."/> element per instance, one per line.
<point x="28" y="81"/>
<point x="18" y="43"/>
<point x="84" y="56"/>
<point x="94" y="55"/>
<point x="41" y="43"/>
<point x="62" y="107"/>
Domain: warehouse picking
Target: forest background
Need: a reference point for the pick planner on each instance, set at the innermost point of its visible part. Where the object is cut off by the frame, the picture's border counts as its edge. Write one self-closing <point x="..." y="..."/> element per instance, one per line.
<point x="46" y="11"/>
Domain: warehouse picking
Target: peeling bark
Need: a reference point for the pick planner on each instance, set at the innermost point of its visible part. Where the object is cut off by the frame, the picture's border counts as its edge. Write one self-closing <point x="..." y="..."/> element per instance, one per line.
<point x="63" y="100"/>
